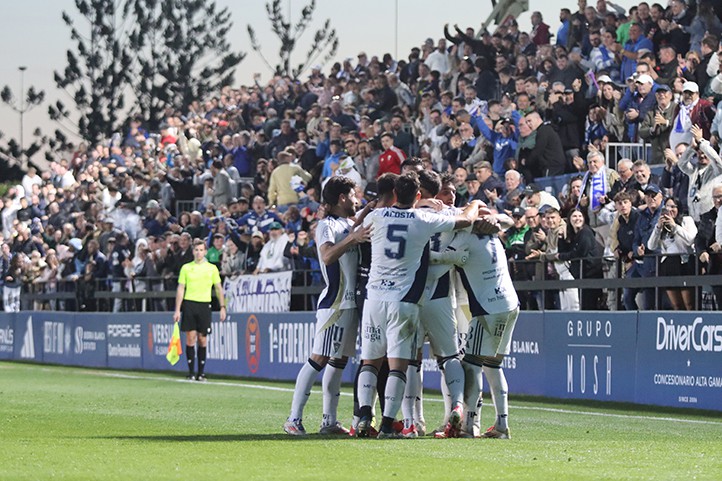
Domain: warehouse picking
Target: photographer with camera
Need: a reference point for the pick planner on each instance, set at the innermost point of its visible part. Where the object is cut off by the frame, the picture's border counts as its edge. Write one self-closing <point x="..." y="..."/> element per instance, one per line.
<point x="674" y="235"/>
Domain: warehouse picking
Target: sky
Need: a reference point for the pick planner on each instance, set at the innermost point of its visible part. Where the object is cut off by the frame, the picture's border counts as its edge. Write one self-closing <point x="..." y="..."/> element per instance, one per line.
<point x="34" y="35"/>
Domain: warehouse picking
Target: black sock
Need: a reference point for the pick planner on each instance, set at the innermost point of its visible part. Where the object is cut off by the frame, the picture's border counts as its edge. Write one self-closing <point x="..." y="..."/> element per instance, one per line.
<point x="201" y="360"/>
<point x="382" y="377"/>
<point x="365" y="411"/>
<point x="191" y="355"/>
<point x="387" y="424"/>
<point x="356" y="407"/>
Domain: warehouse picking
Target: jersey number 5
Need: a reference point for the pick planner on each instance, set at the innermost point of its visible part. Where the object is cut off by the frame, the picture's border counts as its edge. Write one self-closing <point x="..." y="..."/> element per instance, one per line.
<point x="392" y="235"/>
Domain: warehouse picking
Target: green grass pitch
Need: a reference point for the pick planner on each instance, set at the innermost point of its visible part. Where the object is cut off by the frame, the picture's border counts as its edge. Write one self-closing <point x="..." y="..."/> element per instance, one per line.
<point x="64" y="423"/>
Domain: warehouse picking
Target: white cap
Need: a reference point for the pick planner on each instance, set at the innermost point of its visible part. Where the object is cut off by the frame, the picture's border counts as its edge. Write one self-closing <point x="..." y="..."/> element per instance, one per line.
<point x="644" y="79"/>
<point x="76" y="243"/>
<point x="604" y="79"/>
<point x="690" y="87"/>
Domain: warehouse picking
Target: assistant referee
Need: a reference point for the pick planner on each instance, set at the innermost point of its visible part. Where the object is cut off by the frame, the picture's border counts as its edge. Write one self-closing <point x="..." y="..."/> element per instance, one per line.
<point x="194" y="298"/>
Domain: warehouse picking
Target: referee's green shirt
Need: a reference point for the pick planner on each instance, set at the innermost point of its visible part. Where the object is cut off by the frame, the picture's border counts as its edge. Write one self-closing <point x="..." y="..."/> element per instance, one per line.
<point x="199" y="280"/>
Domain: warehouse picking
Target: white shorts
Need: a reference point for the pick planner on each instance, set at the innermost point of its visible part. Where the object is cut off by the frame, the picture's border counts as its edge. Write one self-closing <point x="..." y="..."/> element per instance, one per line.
<point x="389" y="329"/>
<point x="335" y="333"/>
<point x="490" y="335"/>
<point x="439" y="324"/>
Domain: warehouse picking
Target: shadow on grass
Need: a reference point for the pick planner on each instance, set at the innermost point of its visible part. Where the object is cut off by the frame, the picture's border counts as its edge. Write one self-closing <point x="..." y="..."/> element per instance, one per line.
<point x="220" y="438"/>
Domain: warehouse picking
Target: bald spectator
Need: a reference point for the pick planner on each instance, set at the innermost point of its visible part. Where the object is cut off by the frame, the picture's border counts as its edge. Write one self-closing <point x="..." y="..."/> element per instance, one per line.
<point x="547" y="156"/>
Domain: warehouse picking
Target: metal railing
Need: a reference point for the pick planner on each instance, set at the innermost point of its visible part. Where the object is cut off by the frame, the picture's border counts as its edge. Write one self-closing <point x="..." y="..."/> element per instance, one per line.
<point x="158" y="294"/>
<point x="616" y="151"/>
<point x="187" y="205"/>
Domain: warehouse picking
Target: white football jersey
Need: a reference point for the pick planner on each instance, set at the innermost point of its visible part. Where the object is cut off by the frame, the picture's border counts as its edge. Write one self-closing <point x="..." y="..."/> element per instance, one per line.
<point x="400" y="251"/>
<point x="439" y="276"/>
<point x="485" y="276"/>
<point x="340" y="276"/>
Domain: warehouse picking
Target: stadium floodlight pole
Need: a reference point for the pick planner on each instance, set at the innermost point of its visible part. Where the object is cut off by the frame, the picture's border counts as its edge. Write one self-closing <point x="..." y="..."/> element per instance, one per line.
<point x="396" y="32"/>
<point x="22" y="69"/>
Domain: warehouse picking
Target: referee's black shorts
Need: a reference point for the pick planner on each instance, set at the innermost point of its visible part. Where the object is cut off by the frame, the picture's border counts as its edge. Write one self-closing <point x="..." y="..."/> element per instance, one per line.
<point x="196" y="317"/>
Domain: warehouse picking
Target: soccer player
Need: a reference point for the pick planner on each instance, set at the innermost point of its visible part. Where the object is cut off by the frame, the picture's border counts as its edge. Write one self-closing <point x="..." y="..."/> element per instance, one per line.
<point x="193" y="297"/>
<point x="336" y="316"/>
<point x="399" y="264"/>
<point x="437" y="320"/>
<point x="494" y="308"/>
<point x="384" y="197"/>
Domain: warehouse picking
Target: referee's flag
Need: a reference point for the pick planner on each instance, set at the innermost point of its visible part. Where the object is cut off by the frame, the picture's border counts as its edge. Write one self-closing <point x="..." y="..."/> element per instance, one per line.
<point x="174" y="347"/>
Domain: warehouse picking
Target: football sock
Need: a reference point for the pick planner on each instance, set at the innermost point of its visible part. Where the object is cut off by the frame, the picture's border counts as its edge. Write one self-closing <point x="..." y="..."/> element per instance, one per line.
<point x="394" y="393"/>
<point x="454" y="379"/>
<point x="304" y="382"/>
<point x="411" y="392"/>
<point x="366" y="387"/>
<point x="191" y="356"/>
<point x="419" y="405"/>
<point x="382" y="375"/>
<point x="447" y="398"/>
<point x="201" y="360"/>
<point x="332" y="389"/>
<point x="473" y="384"/>
<point x="356" y="407"/>
<point x="355" y="394"/>
<point x="499" y="392"/>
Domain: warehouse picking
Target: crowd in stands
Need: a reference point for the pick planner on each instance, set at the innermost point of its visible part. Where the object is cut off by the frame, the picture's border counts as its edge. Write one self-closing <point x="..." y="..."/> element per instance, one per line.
<point x="500" y="111"/>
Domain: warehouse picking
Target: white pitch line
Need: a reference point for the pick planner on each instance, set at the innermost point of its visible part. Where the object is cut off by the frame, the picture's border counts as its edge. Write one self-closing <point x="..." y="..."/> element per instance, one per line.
<point x="288" y="390"/>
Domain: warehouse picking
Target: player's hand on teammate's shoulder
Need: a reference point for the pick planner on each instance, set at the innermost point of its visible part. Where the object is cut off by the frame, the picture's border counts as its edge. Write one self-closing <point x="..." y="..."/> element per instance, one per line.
<point x="486" y="225"/>
<point x="362" y="234"/>
<point x="435" y="204"/>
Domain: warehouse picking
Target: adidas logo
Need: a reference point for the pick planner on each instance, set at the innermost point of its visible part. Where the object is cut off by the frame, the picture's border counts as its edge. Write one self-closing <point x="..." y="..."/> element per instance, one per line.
<point x="28" y="349"/>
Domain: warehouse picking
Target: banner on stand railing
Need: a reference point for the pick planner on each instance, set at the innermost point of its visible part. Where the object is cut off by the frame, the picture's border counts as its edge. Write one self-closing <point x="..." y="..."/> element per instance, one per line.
<point x="262" y="293"/>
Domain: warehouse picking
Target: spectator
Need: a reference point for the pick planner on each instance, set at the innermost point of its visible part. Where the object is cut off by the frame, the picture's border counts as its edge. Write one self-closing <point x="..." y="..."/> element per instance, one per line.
<point x="708" y="243"/>
<point x="222" y="191"/>
<point x="657" y="123"/>
<point x="674" y="237"/>
<point x="259" y="219"/>
<point x="490" y="187"/>
<point x="558" y="233"/>
<point x="637" y="41"/>
<point x="584" y="254"/>
<point x="535" y="196"/>
<point x="390" y="160"/>
<point x="547" y="155"/>
<point x="594" y="198"/>
<point x="271" y="258"/>
<point x="281" y="190"/>
<point x="12" y="281"/>
<point x="692" y="111"/>
<point x="702" y="176"/>
<point x="645" y="256"/>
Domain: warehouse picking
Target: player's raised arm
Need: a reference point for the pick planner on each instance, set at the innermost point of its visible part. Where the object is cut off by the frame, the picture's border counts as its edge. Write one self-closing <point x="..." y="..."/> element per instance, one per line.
<point x="468" y="215"/>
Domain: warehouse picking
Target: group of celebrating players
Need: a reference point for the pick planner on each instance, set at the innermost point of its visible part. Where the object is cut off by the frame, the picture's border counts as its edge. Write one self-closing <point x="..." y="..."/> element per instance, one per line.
<point x="417" y="268"/>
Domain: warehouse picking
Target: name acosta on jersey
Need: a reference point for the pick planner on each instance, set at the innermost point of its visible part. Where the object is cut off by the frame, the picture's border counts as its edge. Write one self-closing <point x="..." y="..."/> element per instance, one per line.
<point x="695" y="336"/>
<point x="399" y="214"/>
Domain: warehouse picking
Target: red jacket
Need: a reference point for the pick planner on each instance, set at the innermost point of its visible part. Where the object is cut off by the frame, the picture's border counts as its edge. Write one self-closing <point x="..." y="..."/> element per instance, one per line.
<point x="702" y="114"/>
<point x="390" y="161"/>
<point x="540" y="34"/>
